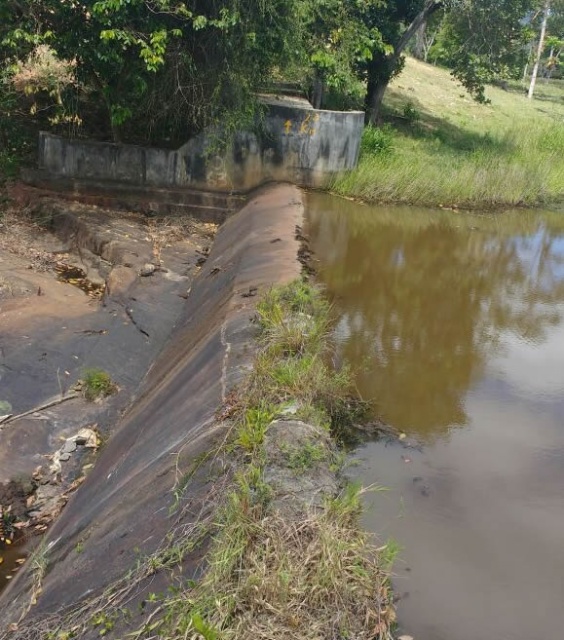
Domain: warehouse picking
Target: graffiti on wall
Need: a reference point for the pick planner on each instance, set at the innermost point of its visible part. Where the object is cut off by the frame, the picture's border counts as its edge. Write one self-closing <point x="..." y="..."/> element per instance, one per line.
<point x="306" y="127"/>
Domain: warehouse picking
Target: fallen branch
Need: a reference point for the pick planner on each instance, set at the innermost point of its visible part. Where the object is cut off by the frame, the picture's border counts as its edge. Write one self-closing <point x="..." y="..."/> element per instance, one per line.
<point x="4" y="420"/>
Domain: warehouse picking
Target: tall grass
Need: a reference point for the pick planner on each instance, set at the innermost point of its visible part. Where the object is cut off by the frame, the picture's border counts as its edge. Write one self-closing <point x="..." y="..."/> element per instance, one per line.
<point x="514" y="167"/>
<point x="439" y="147"/>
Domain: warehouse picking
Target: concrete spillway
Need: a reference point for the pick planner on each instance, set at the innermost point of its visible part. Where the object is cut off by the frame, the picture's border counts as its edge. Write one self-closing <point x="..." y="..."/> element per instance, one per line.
<point x="122" y="509"/>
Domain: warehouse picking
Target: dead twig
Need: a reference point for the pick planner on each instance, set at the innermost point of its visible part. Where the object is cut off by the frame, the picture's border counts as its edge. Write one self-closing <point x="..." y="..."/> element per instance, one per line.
<point x="51" y="403"/>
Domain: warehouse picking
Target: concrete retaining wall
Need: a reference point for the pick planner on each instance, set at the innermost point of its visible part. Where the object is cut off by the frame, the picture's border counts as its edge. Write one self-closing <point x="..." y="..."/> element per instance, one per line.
<point x="299" y="145"/>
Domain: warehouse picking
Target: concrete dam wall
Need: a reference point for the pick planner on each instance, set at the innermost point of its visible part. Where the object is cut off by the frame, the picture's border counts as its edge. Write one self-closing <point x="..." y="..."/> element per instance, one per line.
<point x="298" y="144"/>
<point x="123" y="509"/>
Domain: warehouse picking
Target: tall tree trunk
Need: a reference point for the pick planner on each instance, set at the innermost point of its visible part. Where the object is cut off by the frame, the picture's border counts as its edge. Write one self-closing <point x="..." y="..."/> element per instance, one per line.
<point x="540" y="49"/>
<point x="381" y="68"/>
<point x="420" y="46"/>
<point x="318" y="90"/>
<point x="374" y="97"/>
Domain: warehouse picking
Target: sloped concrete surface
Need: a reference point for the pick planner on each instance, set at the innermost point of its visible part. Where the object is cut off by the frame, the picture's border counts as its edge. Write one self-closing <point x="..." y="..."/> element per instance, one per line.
<point x="122" y="509"/>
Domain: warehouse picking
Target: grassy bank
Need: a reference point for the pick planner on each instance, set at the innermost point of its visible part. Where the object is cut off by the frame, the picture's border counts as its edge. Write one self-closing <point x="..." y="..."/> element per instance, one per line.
<point x="441" y="148"/>
<point x="278" y="541"/>
<point x="280" y="569"/>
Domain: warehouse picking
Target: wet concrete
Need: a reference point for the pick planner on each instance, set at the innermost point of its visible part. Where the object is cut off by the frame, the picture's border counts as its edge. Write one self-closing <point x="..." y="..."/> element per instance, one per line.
<point x="454" y="325"/>
<point x="122" y="509"/>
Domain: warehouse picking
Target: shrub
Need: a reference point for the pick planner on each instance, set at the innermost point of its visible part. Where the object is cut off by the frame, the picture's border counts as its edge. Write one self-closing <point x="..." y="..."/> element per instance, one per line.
<point x="377" y="140"/>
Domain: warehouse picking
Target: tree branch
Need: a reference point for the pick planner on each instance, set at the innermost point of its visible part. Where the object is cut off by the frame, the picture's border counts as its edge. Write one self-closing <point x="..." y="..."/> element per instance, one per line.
<point x="430" y="8"/>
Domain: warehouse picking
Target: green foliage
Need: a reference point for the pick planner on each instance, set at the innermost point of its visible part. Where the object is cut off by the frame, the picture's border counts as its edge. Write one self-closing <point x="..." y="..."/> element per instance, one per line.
<point x="293" y="365"/>
<point x="174" y="67"/>
<point x="103" y="622"/>
<point x="411" y="113"/>
<point x="389" y="553"/>
<point x="251" y="432"/>
<point x="305" y="457"/>
<point x="335" y="38"/>
<point x="377" y="140"/>
<point x="96" y="384"/>
<point x="158" y="71"/>
<point x="205" y="630"/>
<point x="478" y="48"/>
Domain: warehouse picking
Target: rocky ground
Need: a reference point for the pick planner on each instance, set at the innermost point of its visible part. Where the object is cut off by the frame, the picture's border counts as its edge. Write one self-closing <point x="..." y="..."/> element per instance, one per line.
<point x="80" y="288"/>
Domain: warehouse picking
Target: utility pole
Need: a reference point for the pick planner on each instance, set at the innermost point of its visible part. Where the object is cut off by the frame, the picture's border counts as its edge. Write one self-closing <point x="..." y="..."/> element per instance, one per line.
<point x="540" y="49"/>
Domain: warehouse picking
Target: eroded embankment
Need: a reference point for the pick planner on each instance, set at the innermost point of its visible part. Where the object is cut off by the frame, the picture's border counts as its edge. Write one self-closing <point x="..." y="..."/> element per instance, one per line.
<point x="125" y="509"/>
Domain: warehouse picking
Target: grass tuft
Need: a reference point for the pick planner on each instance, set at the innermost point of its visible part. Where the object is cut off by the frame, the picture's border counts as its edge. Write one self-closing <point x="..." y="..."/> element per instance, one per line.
<point x="276" y="578"/>
<point x="97" y="384"/>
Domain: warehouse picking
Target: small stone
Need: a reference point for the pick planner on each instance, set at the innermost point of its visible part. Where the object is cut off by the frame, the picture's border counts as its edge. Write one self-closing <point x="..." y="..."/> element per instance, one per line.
<point x="147" y="270"/>
<point x="64" y="457"/>
<point x="87" y="438"/>
<point x="290" y="409"/>
<point x="69" y="446"/>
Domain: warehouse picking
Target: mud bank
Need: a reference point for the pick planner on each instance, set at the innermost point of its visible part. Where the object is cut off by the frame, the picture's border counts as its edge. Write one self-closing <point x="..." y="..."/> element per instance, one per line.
<point x="122" y="511"/>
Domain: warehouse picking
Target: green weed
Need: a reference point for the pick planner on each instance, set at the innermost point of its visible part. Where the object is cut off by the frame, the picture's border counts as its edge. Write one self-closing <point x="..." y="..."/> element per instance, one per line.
<point x="377" y="140"/>
<point x="97" y="383"/>
<point x="305" y="457"/>
<point x="251" y="432"/>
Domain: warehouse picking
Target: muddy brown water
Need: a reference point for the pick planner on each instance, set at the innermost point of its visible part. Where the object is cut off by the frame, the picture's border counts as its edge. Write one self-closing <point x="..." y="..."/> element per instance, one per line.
<point x="11" y="556"/>
<point x="454" y="326"/>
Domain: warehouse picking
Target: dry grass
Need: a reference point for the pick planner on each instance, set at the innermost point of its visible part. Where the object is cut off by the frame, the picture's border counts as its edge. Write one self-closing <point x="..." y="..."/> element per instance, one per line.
<point x="317" y="579"/>
<point x="43" y="71"/>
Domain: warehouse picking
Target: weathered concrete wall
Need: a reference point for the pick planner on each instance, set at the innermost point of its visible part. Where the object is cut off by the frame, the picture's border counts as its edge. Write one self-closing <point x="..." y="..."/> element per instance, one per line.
<point x="105" y="161"/>
<point x="122" y="511"/>
<point x="298" y="144"/>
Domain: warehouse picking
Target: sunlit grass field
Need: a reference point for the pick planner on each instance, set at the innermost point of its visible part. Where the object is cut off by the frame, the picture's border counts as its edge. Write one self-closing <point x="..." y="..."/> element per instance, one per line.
<point x="439" y="147"/>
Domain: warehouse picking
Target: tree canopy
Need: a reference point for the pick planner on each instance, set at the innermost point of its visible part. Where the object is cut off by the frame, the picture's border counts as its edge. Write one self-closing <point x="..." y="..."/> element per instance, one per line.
<point x="161" y="70"/>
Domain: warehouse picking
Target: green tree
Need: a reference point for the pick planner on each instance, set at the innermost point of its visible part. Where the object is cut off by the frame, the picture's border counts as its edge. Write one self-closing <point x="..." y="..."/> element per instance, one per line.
<point x="174" y="66"/>
<point x="397" y="22"/>
<point x="480" y="39"/>
<point x="335" y="39"/>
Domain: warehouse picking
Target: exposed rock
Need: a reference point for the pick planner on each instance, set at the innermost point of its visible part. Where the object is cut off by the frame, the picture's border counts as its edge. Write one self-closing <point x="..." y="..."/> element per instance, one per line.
<point x="69" y="446"/>
<point x="147" y="270"/>
<point x="119" y="281"/>
<point x="297" y="466"/>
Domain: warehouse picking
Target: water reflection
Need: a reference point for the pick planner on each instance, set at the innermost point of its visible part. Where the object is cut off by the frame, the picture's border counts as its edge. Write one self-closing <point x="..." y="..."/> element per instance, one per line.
<point x="427" y="299"/>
